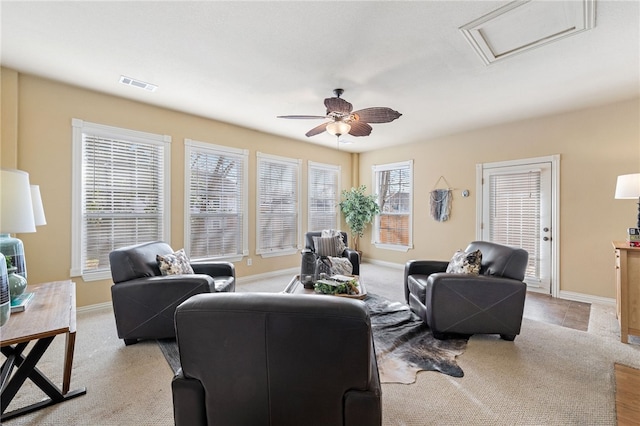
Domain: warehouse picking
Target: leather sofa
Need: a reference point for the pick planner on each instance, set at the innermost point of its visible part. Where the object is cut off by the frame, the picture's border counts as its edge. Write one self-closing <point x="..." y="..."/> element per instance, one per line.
<point x="352" y="255"/>
<point x="144" y="300"/>
<point x="464" y="304"/>
<point x="275" y="359"/>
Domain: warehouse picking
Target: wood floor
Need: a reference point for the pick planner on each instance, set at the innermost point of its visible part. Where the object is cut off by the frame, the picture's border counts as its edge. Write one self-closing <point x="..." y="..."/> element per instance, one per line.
<point x="627" y="395"/>
<point x="544" y="308"/>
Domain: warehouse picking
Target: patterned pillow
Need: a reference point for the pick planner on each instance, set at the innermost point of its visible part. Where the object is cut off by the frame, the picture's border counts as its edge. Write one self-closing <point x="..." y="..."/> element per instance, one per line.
<point x="326" y="246"/>
<point x="465" y="263"/>
<point x="174" y="264"/>
<point x="335" y="233"/>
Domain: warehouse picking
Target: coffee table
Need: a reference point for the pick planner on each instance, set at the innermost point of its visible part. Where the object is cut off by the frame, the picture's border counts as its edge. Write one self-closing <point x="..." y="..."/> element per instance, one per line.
<point x="295" y="286"/>
<point x="52" y="312"/>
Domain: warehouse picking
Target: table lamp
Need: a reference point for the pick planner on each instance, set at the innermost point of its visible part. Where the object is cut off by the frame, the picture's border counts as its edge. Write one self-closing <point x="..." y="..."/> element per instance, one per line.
<point x="628" y="188"/>
<point x="17" y="214"/>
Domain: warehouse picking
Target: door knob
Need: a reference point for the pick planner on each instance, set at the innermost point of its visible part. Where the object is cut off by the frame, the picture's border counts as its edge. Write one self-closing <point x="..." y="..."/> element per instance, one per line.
<point x="546" y="239"/>
<point x="545" y="229"/>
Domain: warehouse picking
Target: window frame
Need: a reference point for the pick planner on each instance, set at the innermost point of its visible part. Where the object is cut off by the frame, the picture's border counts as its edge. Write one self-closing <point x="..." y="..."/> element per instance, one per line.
<point x="329" y="168"/>
<point x="81" y="127"/>
<point x="219" y="150"/>
<point x="375" y="235"/>
<point x="284" y="251"/>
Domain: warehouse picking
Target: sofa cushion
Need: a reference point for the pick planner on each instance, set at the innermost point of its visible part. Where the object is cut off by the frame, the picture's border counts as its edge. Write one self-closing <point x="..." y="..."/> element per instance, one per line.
<point x="174" y="263"/>
<point x="465" y="263"/>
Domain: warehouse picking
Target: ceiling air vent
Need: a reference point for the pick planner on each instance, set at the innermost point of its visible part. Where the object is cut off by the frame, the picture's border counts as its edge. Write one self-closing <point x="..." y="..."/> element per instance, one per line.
<point x="137" y="83"/>
<point x="523" y="25"/>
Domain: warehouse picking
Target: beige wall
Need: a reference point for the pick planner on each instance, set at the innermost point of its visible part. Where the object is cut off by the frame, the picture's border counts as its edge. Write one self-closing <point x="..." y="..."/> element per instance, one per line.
<point x="595" y="145"/>
<point x="45" y="109"/>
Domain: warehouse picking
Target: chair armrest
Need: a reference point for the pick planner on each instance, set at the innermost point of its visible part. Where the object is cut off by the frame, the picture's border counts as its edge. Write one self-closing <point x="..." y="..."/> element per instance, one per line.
<point x="354" y="258"/>
<point x="165" y="284"/>
<point x="214" y="269"/>
<point x="144" y="307"/>
<point x="364" y="407"/>
<point x="421" y="267"/>
<point x="504" y="297"/>
<point x="189" y="406"/>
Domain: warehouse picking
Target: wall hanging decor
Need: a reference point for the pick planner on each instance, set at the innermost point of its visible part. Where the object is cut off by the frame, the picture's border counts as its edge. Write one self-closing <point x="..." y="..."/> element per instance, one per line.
<point x="440" y="201"/>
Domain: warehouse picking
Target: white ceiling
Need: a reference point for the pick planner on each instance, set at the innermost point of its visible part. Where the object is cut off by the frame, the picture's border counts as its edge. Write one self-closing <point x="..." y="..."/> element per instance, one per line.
<point x="248" y="62"/>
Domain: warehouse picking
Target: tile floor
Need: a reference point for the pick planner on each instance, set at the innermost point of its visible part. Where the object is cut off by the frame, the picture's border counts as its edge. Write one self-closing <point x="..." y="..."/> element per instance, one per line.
<point x="567" y="313"/>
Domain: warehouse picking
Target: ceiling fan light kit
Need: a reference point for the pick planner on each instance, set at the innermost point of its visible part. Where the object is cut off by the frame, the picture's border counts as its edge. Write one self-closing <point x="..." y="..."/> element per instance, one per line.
<point x="343" y="120"/>
<point x="338" y="128"/>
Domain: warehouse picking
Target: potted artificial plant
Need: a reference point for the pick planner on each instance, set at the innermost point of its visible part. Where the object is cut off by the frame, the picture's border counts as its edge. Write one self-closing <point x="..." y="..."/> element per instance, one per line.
<point x="359" y="210"/>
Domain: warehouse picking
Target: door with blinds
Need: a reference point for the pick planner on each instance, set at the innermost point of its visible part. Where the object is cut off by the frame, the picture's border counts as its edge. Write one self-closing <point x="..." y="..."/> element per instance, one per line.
<point x="517" y="210"/>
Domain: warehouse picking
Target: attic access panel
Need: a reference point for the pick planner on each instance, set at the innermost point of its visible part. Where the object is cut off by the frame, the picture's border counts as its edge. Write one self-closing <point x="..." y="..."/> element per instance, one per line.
<point x="523" y="25"/>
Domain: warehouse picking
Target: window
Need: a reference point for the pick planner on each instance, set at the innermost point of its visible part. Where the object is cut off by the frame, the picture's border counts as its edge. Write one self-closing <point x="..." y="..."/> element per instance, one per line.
<point x="215" y="201"/>
<point x="394" y="189"/>
<point x="120" y="193"/>
<point x="514" y="209"/>
<point x="278" y="218"/>
<point x="324" y="182"/>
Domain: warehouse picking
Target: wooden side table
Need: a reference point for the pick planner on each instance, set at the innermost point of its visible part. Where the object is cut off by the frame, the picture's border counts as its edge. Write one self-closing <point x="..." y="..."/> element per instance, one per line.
<point x="52" y="312"/>
<point x="627" y="289"/>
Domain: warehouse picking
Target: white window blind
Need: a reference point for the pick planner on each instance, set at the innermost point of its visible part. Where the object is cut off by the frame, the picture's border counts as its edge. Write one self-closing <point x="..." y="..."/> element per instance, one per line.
<point x="278" y="223"/>
<point x="122" y="193"/>
<point x="394" y="189"/>
<point x="324" y="183"/>
<point x="216" y="201"/>
<point x="514" y="211"/>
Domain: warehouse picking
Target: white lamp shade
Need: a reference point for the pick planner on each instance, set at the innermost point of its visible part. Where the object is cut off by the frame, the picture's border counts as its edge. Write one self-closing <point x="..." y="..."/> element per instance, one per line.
<point x="338" y="128"/>
<point x="628" y="187"/>
<point x="16" y="208"/>
<point x="38" y="209"/>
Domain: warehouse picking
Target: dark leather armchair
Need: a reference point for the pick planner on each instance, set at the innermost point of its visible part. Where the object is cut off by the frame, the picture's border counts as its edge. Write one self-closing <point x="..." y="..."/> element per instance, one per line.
<point x="488" y="303"/>
<point x="352" y="255"/>
<point x="275" y="359"/>
<point x="144" y="301"/>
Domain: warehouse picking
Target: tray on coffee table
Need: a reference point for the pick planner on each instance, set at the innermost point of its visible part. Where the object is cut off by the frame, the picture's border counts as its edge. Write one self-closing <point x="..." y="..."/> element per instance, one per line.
<point x="295" y="286"/>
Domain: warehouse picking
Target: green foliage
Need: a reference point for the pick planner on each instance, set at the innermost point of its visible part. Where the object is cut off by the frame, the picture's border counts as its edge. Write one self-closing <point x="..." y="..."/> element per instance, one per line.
<point x="359" y="209"/>
<point x="349" y="287"/>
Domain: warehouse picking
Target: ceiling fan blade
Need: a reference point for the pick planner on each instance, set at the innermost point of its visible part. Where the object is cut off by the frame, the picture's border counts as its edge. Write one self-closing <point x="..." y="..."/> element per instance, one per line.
<point x="376" y="115"/>
<point x="338" y="105"/>
<point x="301" y="116"/>
<point x="317" y="130"/>
<point x="360" y="128"/>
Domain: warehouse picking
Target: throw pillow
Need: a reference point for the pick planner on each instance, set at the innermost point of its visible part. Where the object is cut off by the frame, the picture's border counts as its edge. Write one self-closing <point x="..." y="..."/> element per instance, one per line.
<point x="335" y="233"/>
<point x="341" y="266"/>
<point x="326" y="246"/>
<point x="465" y="263"/>
<point x="174" y="263"/>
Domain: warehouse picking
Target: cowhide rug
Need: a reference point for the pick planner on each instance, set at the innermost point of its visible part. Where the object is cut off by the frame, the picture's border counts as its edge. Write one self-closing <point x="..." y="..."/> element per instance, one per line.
<point x="404" y="344"/>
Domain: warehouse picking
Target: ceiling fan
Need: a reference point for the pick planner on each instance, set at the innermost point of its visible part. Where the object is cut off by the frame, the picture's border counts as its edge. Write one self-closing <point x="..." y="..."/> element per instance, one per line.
<point x="343" y="120"/>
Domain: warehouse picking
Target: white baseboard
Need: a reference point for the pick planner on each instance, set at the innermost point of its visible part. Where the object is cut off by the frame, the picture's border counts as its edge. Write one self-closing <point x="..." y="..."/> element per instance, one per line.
<point x="383" y="263"/>
<point x="266" y="275"/>
<point x="96" y="307"/>
<point x="586" y="298"/>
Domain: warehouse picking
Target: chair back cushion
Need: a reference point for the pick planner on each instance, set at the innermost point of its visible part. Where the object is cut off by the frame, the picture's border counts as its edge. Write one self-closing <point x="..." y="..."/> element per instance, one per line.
<point x="500" y="260"/>
<point x="137" y="261"/>
<point x="270" y="358"/>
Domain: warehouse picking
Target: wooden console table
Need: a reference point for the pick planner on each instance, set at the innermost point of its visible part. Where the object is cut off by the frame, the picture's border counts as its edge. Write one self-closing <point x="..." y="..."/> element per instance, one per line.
<point x="627" y="289"/>
<point x="52" y="312"/>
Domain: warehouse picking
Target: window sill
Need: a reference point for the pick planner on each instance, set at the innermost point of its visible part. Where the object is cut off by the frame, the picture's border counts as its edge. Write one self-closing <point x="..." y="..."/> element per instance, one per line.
<point x="287" y="252"/>
<point x="393" y="247"/>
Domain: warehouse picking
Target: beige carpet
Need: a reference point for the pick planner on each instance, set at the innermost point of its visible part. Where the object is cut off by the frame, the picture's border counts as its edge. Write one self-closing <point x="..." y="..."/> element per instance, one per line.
<point x="550" y="375"/>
